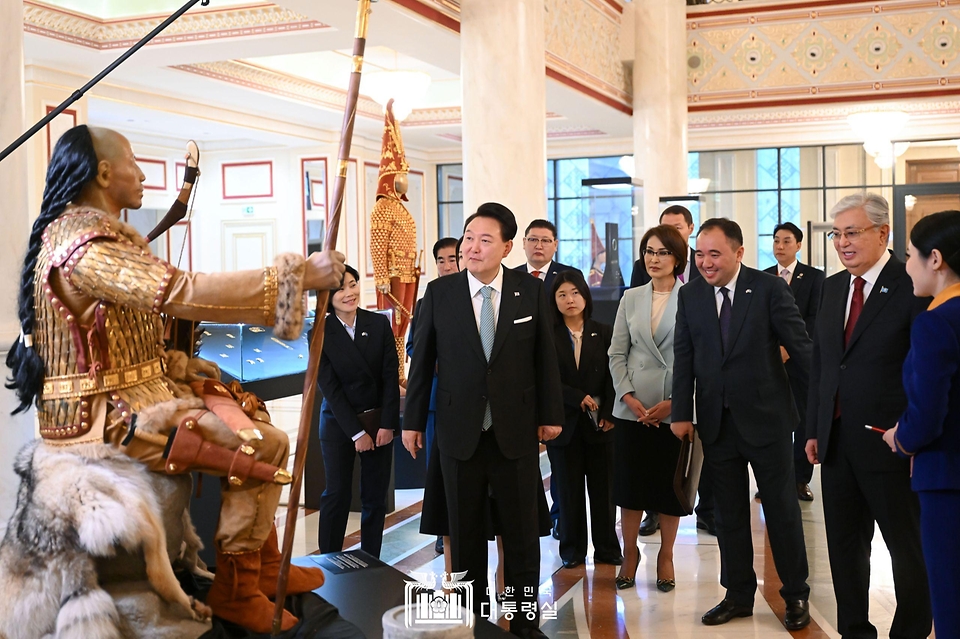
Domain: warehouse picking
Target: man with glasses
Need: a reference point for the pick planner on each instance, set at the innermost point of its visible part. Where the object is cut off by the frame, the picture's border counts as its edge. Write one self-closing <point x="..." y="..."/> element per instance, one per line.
<point x="540" y="245"/>
<point x="861" y="339"/>
<point x="805" y="283"/>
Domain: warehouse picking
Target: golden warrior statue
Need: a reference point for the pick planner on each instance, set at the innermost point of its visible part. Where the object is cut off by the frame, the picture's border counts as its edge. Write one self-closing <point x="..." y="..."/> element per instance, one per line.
<point x="91" y="358"/>
<point x="393" y="237"/>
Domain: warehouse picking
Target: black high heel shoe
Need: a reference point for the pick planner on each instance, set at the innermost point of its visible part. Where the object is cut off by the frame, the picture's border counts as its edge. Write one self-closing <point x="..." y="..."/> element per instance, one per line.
<point x="664" y="585"/>
<point x="623" y="582"/>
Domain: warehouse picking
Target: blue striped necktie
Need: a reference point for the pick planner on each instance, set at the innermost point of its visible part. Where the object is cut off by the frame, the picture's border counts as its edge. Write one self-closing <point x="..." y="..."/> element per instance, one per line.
<point x="488" y="330"/>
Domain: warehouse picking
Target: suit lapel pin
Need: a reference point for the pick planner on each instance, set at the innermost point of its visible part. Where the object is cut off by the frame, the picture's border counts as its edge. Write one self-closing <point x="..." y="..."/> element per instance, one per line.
<point x="593" y="334"/>
<point x="749" y="290"/>
<point x="799" y="276"/>
<point x="884" y="289"/>
<point x="516" y="293"/>
<point x="363" y="334"/>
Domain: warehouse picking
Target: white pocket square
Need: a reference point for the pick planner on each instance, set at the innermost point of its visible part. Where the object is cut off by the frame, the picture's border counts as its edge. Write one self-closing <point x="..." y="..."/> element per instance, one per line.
<point x="523" y="319"/>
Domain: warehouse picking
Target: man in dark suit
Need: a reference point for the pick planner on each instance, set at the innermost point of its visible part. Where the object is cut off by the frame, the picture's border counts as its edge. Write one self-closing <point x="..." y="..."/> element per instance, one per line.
<point x="540" y="246"/>
<point x="730" y="326"/>
<point x="860" y="343"/>
<point x="488" y="332"/>
<point x="680" y="218"/>
<point x="805" y="283"/>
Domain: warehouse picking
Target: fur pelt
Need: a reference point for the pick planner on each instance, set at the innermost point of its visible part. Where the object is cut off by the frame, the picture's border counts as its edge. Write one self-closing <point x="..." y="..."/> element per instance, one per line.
<point x="290" y="270"/>
<point x="74" y="504"/>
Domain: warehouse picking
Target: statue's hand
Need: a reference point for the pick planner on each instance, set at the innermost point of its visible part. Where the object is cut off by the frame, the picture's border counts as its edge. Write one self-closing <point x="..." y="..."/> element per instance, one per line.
<point x="383" y="288"/>
<point x="324" y="270"/>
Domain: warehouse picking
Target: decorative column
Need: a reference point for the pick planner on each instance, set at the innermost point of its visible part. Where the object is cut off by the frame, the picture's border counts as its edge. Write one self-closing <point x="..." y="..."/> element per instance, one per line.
<point x="14" y="431"/>
<point x="660" y="103"/>
<point x="502" y="63"/>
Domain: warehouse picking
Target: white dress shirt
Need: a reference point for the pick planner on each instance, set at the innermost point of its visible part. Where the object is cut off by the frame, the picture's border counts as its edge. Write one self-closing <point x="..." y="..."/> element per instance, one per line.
<point x="477" y="299"/>
<point x="691" y="264"/>
<point x="543" y="270"/>
<point x="792" y="268"/>
<point x="870" y="278"/>
<point x="731" y="287"/>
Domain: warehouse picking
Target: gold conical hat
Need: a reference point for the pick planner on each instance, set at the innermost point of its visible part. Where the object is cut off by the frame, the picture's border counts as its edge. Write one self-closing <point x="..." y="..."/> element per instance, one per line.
<point x="393" y="161"/>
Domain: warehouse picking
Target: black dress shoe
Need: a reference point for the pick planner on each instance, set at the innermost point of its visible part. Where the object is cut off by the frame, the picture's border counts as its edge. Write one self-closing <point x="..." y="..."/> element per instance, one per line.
<point x="438" y="547"/>
<point x="707" y="525"/>
<point x="724" y="612"/>
<point x="803" y="492"/>
<point x="798" y="614"/>
<point x="649" y="525"/>
<point x="573" y="563"/>
<point x="614" y="560"/>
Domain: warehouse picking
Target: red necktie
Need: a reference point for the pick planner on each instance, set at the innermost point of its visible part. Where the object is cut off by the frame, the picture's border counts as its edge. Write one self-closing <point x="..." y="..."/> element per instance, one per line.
<point x="536" y="274"/>
<point x="856" y="305"/>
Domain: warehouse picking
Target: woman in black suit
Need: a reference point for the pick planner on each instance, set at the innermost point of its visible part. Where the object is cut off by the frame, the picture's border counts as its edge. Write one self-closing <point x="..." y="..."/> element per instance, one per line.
<point x="584" y="449"/>
<point x="361" y="388"/>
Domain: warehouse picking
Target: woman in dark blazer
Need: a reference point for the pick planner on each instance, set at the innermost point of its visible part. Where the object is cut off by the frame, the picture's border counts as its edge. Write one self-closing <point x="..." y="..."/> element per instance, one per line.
<point x="584" y="449"/>
<point x="929" y="430"/>
<point x="358" y="378"/>
<point x="641" y="361"/>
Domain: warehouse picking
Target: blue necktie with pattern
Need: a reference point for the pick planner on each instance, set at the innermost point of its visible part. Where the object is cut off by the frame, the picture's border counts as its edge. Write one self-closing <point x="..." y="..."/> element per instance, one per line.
<point x="488" y="330"/>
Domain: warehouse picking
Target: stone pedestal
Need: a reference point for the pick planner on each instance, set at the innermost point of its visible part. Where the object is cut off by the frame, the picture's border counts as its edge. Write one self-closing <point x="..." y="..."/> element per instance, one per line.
<point x="660" y="103"/>
<point x="502" y="62"/>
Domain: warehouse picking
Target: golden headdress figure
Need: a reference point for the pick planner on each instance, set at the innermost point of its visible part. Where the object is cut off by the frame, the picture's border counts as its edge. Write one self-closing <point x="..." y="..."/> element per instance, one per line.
<point x="393" y="237"/>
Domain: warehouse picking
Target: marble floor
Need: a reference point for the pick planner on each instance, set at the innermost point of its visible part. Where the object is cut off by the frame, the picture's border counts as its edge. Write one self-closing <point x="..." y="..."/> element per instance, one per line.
<point x="587" y="604"/>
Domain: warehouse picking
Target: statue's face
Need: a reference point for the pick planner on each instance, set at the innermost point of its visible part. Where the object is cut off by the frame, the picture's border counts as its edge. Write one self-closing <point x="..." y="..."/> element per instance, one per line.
<point x="400" y="183"/>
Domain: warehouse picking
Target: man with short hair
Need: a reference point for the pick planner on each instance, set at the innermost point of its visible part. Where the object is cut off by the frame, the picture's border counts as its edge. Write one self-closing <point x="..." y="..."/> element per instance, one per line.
<point x="488" y="332"/>
<point x="805" y="283"/>
<point x="680" y="218"/>
<point x="540" y="247"/>
<point x="860" y="342"/>
<point x="730" y="326"/>
<point x="445" y="255"/>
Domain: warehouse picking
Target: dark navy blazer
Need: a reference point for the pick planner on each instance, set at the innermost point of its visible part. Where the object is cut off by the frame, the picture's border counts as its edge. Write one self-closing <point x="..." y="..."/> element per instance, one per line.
<point x="930" y="427"/>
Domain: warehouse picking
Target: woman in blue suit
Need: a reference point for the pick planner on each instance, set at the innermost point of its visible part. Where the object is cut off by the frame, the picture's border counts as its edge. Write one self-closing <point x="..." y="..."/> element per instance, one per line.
<point x="929" y="430"/>
<point x="641" y="363"/>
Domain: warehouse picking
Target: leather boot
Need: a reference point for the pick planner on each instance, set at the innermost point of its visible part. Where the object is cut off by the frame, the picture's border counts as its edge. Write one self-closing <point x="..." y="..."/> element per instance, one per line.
<point x="299" y="580"/>
<point x="235" y="595"/>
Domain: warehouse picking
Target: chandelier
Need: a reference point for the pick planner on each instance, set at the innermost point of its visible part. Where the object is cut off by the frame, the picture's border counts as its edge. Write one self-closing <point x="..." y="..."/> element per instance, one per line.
<point x="877" y="130"/>
<point x="407" y="88"/>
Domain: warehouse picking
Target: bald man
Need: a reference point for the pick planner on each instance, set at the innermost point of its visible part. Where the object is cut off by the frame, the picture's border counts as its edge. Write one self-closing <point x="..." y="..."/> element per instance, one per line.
<point x="91" y="356"/>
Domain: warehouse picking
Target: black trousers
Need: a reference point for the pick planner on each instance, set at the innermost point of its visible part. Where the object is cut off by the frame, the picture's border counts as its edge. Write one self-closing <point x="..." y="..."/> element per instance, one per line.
<point x="375" y="466"/>
<point x="772" y="465"/>
<point x="856" y="499"/>
<point x="513" y="483"/>
<point x="802" y="468"/>
<point x="583" y="460"/>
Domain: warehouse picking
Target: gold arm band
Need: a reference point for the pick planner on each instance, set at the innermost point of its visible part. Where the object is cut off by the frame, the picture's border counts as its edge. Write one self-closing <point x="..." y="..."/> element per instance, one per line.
<point x="82" y="385"/>
<point x="357" y="63"/>
<point x="342" y="168"/>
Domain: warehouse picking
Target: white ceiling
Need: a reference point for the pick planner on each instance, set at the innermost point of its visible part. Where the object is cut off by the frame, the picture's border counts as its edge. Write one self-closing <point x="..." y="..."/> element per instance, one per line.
<point x="229" y="115"/>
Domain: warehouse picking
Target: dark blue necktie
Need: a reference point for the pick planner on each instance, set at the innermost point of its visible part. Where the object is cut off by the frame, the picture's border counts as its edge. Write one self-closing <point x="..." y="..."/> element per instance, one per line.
<point x="726" y="311"/>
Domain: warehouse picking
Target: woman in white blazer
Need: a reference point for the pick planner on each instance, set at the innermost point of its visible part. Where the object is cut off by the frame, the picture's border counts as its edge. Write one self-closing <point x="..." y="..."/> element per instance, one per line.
<point x="641" y="363"/>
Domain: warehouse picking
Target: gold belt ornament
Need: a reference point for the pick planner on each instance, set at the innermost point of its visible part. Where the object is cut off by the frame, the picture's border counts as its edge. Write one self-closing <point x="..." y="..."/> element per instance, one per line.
<point x="82" y="384"/>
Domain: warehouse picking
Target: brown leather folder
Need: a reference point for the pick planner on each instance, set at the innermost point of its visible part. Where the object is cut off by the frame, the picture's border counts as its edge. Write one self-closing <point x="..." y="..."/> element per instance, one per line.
<point x="686" y="477"/>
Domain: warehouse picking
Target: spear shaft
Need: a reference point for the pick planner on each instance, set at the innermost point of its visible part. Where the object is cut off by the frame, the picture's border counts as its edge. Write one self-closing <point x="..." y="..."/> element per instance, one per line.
<point x="316" y="342"/>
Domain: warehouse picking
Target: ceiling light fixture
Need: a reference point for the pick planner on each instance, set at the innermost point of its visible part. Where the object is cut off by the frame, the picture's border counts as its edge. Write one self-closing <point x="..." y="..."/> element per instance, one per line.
<point x="407" y="88"/>
<point x="877" y="129"/>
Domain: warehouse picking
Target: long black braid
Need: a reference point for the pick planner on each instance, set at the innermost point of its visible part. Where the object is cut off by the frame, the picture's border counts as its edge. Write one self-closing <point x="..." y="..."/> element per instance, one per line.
<point x="72" y="166"/>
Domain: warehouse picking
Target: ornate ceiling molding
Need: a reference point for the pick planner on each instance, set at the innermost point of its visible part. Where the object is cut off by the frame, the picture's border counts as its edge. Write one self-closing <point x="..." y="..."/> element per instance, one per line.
<point x="552" y="134"/>
<point x="814" y="52"/>
<point x="76" y="28"/>
<point x="839" y="113"/>
<point x="257" y="78"/>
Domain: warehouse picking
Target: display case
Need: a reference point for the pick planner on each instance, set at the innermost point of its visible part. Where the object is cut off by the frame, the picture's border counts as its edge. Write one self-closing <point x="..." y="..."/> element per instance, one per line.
<point x="252" y="355"/>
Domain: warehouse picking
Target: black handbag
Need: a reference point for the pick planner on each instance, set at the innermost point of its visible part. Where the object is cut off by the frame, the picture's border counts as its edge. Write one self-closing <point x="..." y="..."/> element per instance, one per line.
<point x="686" y="477"/>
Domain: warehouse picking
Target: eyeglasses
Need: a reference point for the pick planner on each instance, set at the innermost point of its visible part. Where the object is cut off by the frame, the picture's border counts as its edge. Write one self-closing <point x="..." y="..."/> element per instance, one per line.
<point x="539" y="240"/>
<point x="852" y="235"/>
<point x="661" y="253"/>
